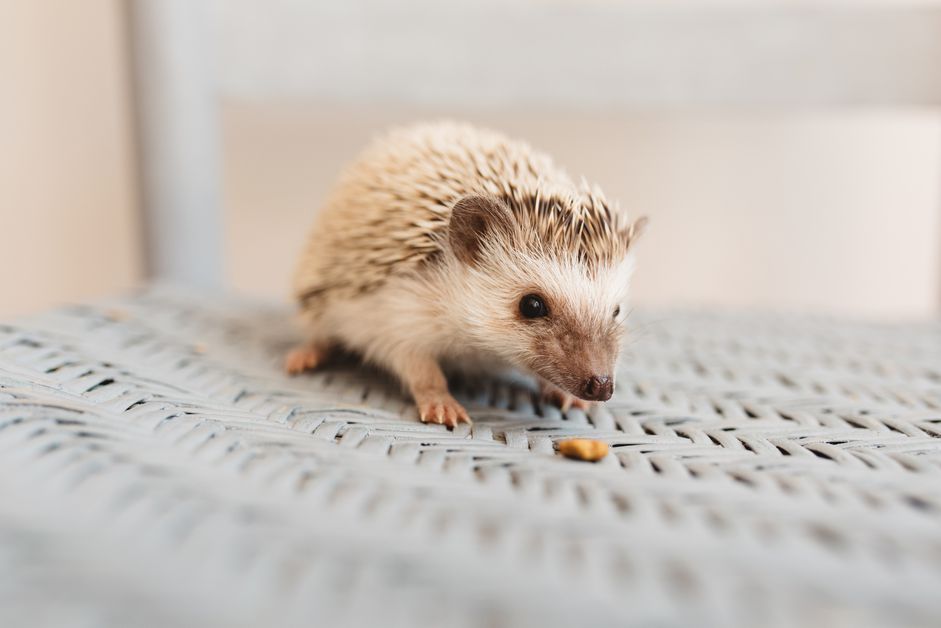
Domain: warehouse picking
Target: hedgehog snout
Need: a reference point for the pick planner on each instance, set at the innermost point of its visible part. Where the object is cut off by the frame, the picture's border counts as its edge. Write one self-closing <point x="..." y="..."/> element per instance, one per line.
<point x="598" y="388"/>
<point x="594" y="383"/>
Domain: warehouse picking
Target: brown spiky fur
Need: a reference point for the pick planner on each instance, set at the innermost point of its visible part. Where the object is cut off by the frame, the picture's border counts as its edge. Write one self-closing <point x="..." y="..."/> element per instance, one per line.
<point x="386" y="273"/>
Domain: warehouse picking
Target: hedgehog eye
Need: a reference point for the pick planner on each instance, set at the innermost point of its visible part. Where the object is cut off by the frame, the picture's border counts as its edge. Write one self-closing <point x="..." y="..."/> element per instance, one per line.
<point x="532" y="306"/>
<point x="617" y="310"/>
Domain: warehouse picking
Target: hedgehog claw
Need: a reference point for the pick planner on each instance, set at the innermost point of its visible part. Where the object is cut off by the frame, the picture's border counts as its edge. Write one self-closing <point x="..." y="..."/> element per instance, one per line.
<point x="551" y="393"/>
<point x="443" y="411"/>
<point x="306" y="357"/>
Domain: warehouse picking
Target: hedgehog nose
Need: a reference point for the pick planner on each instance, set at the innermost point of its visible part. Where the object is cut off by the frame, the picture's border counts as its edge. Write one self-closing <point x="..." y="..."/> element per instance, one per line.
<point x="598" y="388"/>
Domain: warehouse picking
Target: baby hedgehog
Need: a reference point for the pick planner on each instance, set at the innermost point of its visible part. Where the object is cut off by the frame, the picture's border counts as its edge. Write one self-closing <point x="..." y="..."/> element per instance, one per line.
<point x="446" y="245"/>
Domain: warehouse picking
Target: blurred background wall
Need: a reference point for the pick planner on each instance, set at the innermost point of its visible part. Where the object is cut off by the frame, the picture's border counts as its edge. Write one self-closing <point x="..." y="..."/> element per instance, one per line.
<point x="814" y="200"/>
<point x="68" y="189"/>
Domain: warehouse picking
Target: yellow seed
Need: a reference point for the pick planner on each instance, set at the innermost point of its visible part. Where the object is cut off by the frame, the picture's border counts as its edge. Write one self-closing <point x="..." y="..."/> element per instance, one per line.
<point x="583" y="449"/>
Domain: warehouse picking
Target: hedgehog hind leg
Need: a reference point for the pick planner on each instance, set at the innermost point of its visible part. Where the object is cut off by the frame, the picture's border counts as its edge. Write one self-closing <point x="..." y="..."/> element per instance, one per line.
<point x="307" y="356"/>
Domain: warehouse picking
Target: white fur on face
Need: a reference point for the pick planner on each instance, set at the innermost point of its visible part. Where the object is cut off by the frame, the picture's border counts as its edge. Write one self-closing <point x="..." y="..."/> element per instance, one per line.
<point x="581" y="306"/>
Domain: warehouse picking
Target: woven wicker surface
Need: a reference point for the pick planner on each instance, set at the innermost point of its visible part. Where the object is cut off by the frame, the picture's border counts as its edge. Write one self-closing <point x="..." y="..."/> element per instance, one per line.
<point x="156" y="468"/>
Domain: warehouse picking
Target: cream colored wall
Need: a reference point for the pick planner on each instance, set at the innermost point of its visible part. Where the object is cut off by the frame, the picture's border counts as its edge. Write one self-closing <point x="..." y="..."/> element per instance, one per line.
<point x="829" y="212"/>
<point x="68" y="219"/>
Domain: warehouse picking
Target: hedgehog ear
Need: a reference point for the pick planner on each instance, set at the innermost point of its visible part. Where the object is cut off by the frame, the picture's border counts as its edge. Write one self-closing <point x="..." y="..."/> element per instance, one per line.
<point x="473" y="218"/>
<point x="636" y="229"/>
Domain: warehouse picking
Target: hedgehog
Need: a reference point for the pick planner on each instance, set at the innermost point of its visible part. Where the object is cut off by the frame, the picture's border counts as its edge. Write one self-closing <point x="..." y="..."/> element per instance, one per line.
<point x="449" y="247"/>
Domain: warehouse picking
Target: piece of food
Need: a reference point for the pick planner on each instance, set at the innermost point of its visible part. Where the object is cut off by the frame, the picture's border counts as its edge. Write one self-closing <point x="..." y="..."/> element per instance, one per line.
<point x="583" y="449"/>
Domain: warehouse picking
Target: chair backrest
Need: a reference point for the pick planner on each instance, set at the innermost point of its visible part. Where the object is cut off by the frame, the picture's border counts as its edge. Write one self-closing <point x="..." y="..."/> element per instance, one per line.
<point x="178" y="134"/>
<point x="485" y="53"/>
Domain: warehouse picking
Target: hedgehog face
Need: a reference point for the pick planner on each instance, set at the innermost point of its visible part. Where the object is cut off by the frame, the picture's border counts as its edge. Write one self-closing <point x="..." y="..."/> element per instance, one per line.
<point x="564" y="323"/>
<point x="546" y="311"/>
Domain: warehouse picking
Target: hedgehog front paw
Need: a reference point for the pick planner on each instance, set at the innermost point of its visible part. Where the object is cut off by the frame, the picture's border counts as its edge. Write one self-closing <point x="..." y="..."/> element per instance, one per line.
<point x="551" y="393"/>
<point x="305" y="357"/>
<point x="443" y="409"/>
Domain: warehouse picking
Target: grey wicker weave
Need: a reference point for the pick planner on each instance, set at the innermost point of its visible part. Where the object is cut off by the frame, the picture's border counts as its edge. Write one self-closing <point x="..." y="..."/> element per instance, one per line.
<point x="157" y="469"/>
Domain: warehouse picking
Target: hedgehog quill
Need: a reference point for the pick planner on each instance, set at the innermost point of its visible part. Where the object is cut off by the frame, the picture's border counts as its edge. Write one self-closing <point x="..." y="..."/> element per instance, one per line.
<point x="446" y="246"/>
